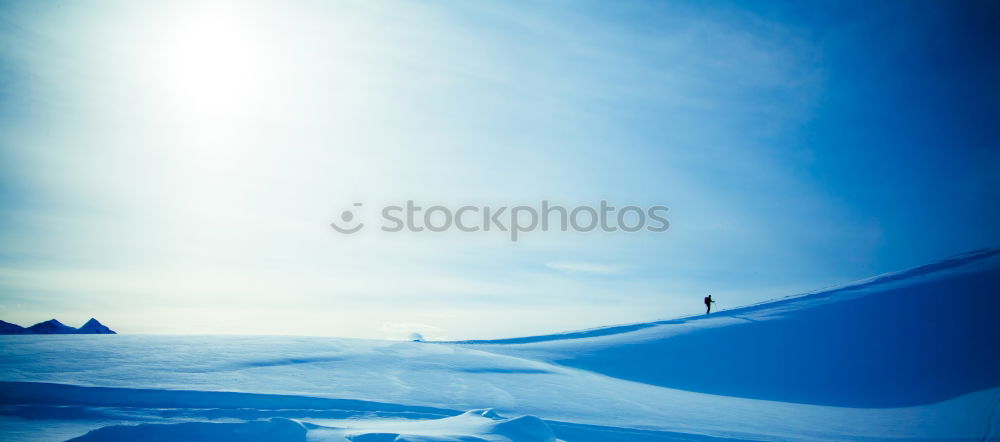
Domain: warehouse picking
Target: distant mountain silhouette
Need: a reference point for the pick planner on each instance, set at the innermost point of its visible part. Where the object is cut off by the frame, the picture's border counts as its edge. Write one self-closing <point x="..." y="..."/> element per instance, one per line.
<point x="7" y="328"/>
<point x="94" y="327"/>
<point x="51" y="327"/>
<point x="54" y="327"/>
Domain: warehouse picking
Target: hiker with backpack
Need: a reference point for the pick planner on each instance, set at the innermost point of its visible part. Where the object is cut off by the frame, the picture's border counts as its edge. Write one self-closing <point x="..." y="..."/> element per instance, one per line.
<point x="708" y="304"/>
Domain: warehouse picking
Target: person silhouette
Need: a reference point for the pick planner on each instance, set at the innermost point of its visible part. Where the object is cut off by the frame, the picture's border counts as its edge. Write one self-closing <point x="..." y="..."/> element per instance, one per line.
<point x="708" y="304"/>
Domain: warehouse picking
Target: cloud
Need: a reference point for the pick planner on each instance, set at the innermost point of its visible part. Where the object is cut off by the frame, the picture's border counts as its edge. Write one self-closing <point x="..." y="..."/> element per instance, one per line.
<point x="586" y="267"/>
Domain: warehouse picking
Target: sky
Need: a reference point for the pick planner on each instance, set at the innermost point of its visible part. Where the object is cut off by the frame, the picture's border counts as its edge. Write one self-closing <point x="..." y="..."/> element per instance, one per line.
<point x="174" y="167"/>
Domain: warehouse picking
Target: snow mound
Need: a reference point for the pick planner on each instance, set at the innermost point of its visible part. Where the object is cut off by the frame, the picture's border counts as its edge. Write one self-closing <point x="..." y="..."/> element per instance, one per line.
<point x="475" y="425"/>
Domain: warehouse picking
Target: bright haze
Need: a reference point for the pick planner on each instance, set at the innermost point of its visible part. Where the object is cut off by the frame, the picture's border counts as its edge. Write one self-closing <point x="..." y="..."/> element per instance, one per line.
<point x="174" y="167"/>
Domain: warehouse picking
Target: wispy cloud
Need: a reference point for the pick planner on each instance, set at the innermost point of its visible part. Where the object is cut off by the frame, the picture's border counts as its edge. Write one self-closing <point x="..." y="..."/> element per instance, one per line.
<point x="586" y="267"/>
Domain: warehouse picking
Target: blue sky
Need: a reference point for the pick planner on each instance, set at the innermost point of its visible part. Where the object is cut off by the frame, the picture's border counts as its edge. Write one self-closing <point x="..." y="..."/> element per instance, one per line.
<point x="173" y="167"/>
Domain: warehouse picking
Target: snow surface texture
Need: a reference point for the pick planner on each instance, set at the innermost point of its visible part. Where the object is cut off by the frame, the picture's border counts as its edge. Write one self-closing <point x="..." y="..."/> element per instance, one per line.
<point x="909" y="355"/>
<point x="474" y="425"/>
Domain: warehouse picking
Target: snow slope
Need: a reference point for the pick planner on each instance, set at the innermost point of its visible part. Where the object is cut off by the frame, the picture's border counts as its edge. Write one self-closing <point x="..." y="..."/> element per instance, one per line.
<point x="906" y="355"/>
<point x="909" y="338"/>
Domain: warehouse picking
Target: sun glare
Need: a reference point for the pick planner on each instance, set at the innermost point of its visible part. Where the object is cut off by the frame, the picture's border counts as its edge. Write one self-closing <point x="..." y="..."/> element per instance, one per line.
<point x="214" y="63"/>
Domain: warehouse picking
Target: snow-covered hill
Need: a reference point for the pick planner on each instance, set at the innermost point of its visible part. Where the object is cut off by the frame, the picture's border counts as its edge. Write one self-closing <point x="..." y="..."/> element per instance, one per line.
<point x="906" y="355"/>
<point x="909" y="338"/>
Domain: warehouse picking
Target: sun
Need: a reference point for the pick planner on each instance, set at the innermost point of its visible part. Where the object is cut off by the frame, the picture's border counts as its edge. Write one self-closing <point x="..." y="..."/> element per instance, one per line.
<point x="215" y="62"/>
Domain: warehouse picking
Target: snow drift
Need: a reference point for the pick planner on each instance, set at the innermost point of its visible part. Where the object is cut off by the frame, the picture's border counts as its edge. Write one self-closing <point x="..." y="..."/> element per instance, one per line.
<point x="472" y="426"/>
